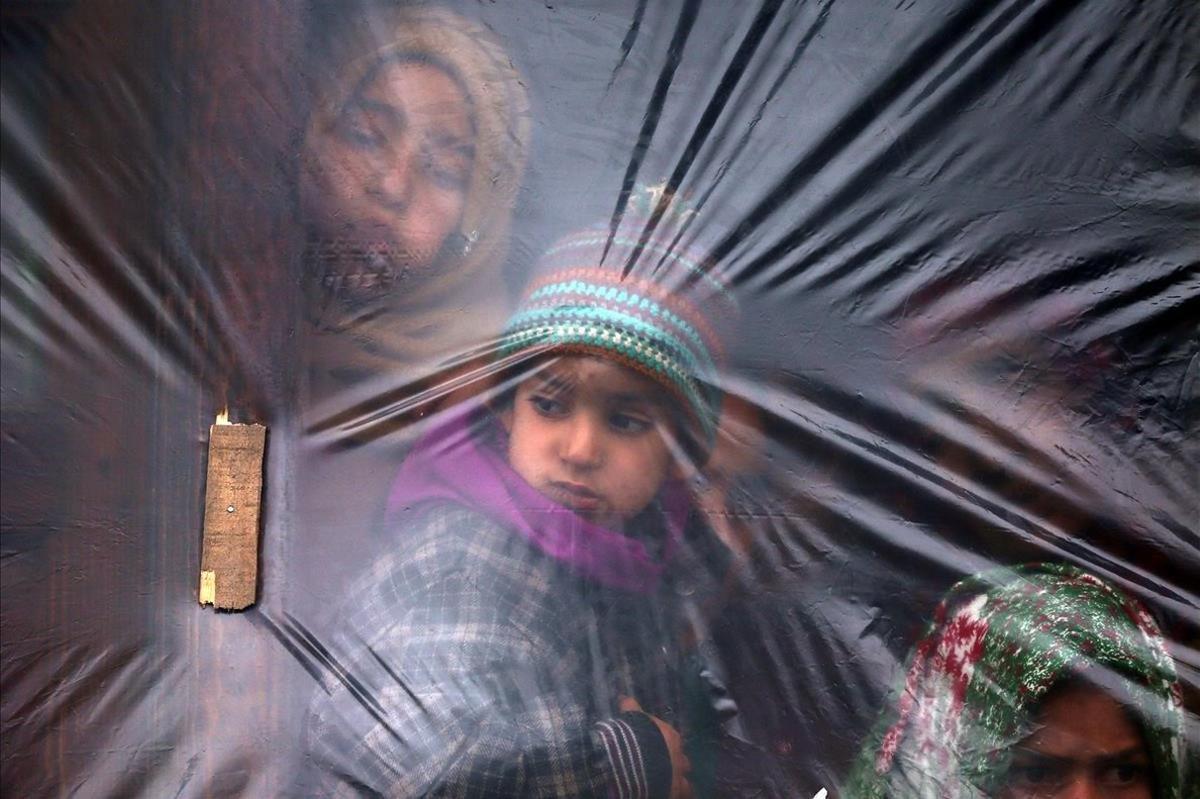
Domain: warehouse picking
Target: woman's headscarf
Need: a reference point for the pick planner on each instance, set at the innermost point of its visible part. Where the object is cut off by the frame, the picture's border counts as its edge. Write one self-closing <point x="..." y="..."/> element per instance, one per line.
<point x="998" y="643"/>
<point x="463" y="301"/>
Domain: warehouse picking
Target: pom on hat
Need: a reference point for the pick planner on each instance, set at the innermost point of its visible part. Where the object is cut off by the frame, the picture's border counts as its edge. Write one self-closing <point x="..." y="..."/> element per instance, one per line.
<point x="645" y="301"/>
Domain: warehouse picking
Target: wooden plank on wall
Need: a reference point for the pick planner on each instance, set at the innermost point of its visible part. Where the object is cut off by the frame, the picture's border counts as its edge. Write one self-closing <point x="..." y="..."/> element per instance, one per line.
<point x="232" y="508"/>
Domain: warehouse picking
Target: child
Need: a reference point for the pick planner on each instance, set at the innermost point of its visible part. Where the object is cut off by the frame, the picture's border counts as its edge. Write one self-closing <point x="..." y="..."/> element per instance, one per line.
<point x="1041" y="681"/>
<point x="507" y="645"/>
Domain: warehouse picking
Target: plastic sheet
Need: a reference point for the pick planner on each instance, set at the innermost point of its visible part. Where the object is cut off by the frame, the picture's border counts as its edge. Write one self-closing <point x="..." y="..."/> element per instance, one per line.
<point x="941" y="254"/>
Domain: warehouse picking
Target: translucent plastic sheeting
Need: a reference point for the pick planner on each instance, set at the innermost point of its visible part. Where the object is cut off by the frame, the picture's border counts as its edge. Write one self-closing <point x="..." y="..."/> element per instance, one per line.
<point x="927" y="273"/>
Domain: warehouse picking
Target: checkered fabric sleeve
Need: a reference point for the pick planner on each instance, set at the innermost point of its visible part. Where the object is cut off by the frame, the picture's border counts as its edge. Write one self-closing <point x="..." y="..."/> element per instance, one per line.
<point x="453" y="677"/>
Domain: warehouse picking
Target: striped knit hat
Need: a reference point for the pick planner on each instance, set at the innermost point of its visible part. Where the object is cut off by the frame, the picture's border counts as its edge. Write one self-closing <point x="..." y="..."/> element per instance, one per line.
<point x="636" y="295"/>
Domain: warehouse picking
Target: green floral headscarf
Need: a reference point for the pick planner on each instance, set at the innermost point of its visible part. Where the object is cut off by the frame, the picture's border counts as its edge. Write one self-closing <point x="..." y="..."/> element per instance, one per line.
<point x="998" y="643"/>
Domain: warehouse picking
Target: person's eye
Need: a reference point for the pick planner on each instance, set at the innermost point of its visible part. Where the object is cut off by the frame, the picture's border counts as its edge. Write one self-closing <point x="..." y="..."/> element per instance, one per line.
<point x="447" y="169"/>
<point x="630" y="423"/>
<point x="548" y="406"/>
<point x="1035" y="775"/>
<point x="358" y="126"/>
<point x="1125" y="774"/>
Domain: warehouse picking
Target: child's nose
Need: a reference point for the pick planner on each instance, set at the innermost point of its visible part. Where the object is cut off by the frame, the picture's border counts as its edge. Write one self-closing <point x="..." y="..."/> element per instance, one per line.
<point x="582" y="446"/>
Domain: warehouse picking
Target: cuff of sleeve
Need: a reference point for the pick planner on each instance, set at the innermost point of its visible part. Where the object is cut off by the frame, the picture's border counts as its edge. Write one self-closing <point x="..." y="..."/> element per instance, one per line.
<point x="640" y="761"/>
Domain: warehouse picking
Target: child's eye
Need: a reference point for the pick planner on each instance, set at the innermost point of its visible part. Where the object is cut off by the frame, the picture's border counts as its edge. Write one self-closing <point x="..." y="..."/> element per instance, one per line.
<point x="630" y="423"/>
<point x="547" y="406"/>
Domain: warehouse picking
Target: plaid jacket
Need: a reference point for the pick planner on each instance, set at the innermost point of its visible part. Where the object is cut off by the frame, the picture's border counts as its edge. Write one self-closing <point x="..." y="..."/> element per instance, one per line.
<point x="473" y="665"/>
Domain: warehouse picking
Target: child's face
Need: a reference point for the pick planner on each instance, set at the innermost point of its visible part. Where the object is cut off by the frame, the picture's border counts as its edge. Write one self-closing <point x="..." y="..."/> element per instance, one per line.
<point x="590" y="435"/>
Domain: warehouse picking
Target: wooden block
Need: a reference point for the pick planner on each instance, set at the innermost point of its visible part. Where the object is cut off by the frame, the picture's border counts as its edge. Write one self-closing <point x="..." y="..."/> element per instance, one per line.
<point x="232" y="507"/>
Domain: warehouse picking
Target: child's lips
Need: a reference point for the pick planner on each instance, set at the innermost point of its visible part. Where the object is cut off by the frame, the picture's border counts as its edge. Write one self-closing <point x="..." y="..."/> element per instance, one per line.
<point x="575" y="496"/>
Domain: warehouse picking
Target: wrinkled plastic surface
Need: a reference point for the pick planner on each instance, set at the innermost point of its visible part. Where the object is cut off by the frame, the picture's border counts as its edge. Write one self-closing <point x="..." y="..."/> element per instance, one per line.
<point x="964" y="240"/>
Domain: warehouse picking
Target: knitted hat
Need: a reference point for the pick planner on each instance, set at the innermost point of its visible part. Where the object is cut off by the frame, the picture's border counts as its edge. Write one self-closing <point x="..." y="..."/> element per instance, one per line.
<point x="999" y="642"/>
<point x="636" y="295"/>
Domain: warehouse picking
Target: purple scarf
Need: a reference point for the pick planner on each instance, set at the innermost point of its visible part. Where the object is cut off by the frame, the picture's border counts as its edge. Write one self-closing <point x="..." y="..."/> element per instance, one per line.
<point x="449" y="463"/>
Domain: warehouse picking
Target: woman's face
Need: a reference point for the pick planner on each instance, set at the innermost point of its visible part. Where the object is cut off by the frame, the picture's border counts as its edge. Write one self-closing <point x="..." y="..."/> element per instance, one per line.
<point x="1086" y="747"/>
<point x="391" y="168"/>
